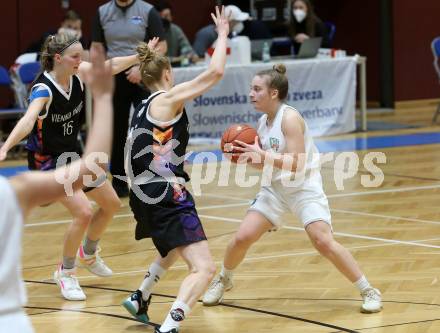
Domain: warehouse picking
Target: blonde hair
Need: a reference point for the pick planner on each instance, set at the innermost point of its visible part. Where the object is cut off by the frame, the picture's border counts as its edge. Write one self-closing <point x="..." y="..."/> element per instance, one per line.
<point x="152" y="64"/>
<point x="55" y="44"/>
<point x="277" y="79"/>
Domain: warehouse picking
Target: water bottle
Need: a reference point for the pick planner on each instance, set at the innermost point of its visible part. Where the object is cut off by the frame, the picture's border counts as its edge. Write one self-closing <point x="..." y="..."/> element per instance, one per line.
<point x="265" y="56"/>
<point x="184" y="62"/>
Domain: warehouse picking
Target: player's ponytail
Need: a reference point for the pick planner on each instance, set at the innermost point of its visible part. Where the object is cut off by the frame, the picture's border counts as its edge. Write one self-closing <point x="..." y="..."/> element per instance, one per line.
<point x="152" y="64"/>
<point x="280" y="68"/>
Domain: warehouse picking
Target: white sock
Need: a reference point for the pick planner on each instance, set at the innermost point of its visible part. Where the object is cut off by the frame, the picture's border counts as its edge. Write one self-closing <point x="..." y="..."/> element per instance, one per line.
<point x="362" y="283"/>
<point x="155" y="272"/>
<point x="226" y="273"/>
<point x="177" y="314"/>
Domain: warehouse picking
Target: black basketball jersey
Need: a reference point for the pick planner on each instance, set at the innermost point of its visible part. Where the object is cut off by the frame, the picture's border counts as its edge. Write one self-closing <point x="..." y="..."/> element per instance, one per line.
<point x="156" y="150"/>
<point x="58" y="124"/>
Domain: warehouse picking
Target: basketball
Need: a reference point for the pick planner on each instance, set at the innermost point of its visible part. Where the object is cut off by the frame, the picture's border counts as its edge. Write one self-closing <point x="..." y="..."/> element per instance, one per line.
<point x="241" y="132"/>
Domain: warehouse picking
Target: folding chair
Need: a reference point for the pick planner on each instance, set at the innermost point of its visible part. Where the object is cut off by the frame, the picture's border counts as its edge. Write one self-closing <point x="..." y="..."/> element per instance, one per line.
<point x="22" y="75"/>
<point x="435" y="46"/>
<point x="8" y="113"/>
<point x="29" y="71"/>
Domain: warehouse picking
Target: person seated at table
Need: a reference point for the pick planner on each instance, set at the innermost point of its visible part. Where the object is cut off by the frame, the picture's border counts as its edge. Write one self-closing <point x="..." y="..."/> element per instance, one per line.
<point x="179" y="48"/>
<point x="240" y="24"/>
<point x="304" y="24"/>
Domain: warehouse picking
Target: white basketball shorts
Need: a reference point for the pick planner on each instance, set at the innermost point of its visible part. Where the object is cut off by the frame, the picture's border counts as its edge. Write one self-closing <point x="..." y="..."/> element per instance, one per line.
<point x="309" y="205"/>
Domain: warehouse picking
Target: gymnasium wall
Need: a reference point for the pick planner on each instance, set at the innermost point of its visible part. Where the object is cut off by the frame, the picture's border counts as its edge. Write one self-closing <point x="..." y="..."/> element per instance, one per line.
<point x="357" y="24"/>
<point x="8" y="24"/>
<point x="357" y="31"/>
<point x="416" y="24"/>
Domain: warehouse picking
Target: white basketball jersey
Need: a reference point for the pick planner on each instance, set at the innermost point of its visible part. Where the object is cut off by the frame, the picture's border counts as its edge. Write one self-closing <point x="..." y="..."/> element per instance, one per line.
<point x="273" y="140"/>
<point x="12" y="290"/>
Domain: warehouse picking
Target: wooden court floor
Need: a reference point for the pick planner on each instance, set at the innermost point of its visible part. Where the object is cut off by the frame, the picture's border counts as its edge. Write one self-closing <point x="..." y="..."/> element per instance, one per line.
<point x="283" y="285"/>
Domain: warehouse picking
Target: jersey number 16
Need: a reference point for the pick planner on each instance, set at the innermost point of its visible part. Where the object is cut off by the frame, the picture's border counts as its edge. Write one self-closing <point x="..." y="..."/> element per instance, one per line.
<point x="68" y="128"/>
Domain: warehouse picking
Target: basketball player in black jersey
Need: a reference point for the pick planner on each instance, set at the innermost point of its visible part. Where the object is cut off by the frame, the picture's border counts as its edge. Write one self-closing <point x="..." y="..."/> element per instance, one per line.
<point x="163" y="208"/>
<point x="53" y="121"/>
<point x="21" y="193"/>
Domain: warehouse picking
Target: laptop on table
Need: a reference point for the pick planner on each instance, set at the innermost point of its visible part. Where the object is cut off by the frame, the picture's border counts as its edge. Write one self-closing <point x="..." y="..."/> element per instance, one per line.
<point x="309" y="48"/>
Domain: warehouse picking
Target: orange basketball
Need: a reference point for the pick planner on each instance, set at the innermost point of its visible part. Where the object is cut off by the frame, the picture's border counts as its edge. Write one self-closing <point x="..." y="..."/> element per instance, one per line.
<point x="242" y="132"/>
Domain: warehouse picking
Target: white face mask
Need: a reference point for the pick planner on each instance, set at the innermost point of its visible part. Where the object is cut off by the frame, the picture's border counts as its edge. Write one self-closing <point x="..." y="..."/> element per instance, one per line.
<point x="299" y="14"/>
<point x="238" y="28"/>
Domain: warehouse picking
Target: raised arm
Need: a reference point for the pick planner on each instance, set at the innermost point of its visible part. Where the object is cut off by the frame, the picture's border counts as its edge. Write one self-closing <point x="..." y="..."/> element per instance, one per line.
<point x="38" y="188"/>
<point x="118" y="64"/>
<point x="24" y="125"/>
<point x="214" y="73"/>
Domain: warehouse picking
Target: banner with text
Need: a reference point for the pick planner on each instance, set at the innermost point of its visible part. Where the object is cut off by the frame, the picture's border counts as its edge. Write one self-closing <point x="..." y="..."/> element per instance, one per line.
<point x="322" y="90"/>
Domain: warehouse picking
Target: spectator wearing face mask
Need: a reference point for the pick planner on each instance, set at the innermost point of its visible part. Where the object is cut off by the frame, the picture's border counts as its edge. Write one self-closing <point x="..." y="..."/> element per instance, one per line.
<point x="305" y="24"/>
<point x="71" y="24"/>
<point x="240" y="24"/>
<point x="179" y="48"/>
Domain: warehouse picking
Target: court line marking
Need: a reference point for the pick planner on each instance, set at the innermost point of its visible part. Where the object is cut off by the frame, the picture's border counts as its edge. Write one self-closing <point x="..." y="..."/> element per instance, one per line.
<point x="218" y="196"/>
<point x="118" y="216"/>
<point x="260" y="311"/>
<point x="343" y="234"/>
<point x="248" y="308"/>
<point x="390" y="190"/>
<point x="361" y="193"/>
<point x="275" y="256"/>
<point x="342" y="211"/>
<point x="294" y="254"/>
<point x="389" y="242"/>
<point x="55" y="310"/>
<point x="410" y="219"/>
<point x="246" y="202"/>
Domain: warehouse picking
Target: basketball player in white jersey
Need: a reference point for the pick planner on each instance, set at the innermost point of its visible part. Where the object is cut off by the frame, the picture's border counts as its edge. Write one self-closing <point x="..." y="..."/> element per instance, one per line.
<point x="21" y="193"/>
<point x="285" y="138"/>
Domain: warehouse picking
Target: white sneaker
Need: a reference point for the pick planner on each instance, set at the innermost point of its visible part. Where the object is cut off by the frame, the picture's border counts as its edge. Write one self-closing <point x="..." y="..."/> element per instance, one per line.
<point x="69" y="284"/>
<point x="214" y="294"/>
<point x="93" y="263"/>
<point x="372" y="301"/>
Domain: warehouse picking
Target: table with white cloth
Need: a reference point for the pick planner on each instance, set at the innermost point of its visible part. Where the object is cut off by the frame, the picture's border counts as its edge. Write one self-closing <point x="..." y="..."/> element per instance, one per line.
<point x="322" y="90"/>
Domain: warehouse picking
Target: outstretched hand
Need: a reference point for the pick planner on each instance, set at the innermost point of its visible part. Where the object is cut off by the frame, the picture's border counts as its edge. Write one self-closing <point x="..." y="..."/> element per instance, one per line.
<point x="152" y="43"/>
<point x="221" y="21"/>
<point x="99" y="78"/>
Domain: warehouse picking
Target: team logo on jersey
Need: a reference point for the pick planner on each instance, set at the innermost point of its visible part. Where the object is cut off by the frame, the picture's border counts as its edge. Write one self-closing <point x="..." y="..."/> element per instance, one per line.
<point x="274" y="143"/>
<point x="179" y="192"/>
<point x="138" y="20"/>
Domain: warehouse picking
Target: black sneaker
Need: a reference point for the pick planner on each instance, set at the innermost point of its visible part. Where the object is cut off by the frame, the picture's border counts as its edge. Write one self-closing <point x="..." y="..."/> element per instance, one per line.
<point x="136" y="298"/>
<point x="157" y="330"/>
